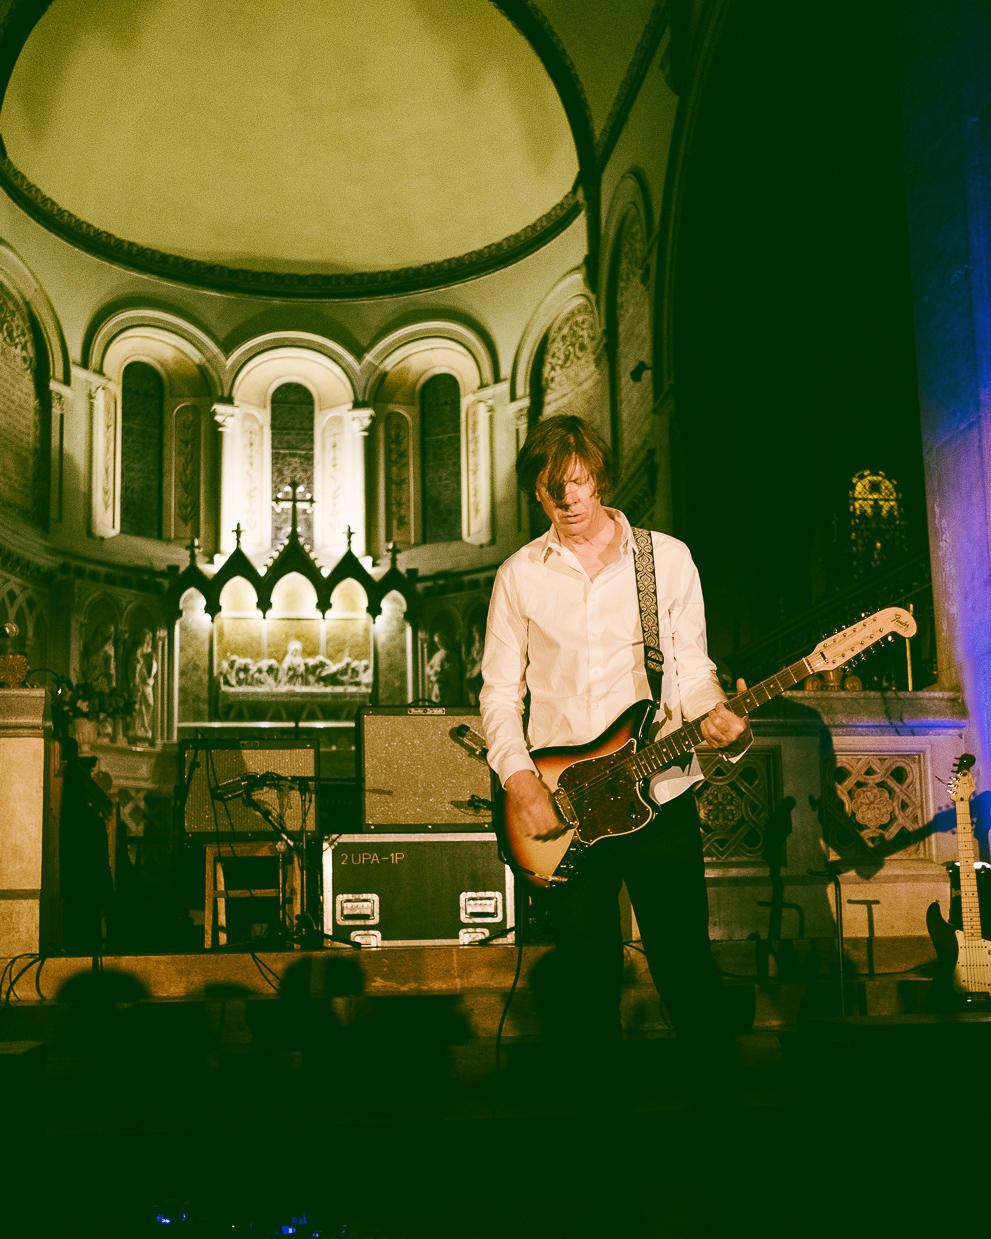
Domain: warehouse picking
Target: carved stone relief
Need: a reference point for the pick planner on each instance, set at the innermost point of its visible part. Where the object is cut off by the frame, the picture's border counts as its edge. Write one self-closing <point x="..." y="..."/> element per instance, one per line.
<point x="398" y="479"/>
<point x="735" y="804"/>
<point x="880" y="796"/>
<point x="478" y="440"/>
<point x="570" y="358"/>
<point x="253" y="481"/>
<point x="21" y="465"/>
<point x="187" y="452"/>
<point x="332" y="488"/>
<point x="105" y="485"/>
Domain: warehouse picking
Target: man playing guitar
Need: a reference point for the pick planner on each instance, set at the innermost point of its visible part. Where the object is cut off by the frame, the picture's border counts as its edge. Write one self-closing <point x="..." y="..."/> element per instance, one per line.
<point x="564" y="656"/>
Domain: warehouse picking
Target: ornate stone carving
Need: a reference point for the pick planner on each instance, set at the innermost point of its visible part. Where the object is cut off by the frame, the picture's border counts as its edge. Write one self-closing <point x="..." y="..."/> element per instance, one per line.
<point x="105" y="497"/>
<point x="15" y="333"/>
<point x="570" y="356"/>
<point x="399" y="527"/>
<point x="224" y="413"/>
<point x="187" y="465"/>
<point x="252" y="450"/>
<point x="735" y="804"/>
<point x="879" y="797"/>
<point x="361" y="419"/>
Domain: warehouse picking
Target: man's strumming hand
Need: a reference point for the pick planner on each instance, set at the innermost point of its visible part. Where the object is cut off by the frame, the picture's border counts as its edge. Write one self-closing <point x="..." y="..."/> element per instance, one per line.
<point x="529" y="802"/>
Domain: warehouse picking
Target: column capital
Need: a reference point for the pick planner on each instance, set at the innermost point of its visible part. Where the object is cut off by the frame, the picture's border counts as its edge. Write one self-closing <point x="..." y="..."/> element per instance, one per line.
<point x="361" y="418"/>
<point x="224" y="413"/>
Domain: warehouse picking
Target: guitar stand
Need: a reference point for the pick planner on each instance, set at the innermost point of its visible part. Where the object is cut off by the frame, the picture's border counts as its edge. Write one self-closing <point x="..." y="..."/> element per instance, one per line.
<point x="834" y="877"/>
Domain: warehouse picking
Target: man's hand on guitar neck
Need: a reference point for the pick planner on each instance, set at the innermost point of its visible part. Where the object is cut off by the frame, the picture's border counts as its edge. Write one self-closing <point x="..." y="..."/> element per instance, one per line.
<point x="722" y="728"/>
<point x="529" y="801"/>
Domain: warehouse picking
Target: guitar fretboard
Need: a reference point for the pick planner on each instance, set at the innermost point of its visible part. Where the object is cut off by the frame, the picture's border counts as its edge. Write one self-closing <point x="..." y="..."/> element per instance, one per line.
<point x="654" y="757"/>
<point x="970" y="907"/>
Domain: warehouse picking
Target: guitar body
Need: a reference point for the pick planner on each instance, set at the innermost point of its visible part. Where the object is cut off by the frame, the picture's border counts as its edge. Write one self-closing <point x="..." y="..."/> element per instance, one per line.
<point x="599" y="788"/>
<point x="595" y="793"/>
<point x="965" y="961"/>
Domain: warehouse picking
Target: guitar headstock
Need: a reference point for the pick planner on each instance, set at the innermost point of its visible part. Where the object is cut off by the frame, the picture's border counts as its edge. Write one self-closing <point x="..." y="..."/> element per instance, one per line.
<point x="961" y="782"/>
<point x="834" y="651"/>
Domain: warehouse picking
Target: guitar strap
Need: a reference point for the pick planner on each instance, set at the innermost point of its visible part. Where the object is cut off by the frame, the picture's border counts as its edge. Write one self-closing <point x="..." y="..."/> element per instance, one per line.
<point x="643" y="566"/>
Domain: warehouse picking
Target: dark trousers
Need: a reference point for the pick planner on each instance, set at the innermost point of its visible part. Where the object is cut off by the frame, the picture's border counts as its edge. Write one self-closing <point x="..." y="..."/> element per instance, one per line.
<point x="664" y="872"/>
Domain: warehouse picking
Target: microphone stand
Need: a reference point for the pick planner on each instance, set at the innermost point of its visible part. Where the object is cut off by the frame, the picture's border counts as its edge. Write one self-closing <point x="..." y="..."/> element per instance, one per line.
<point x="296" y="933"/>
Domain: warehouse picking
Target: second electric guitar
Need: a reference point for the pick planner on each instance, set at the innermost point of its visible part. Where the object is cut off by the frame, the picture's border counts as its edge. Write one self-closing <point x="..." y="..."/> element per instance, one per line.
<point x="963" y="950"/>
<point x="600" y="788"/>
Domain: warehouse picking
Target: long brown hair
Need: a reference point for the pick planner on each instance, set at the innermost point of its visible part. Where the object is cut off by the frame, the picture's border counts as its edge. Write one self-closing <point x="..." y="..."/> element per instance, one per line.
<point x="553" y="444"/>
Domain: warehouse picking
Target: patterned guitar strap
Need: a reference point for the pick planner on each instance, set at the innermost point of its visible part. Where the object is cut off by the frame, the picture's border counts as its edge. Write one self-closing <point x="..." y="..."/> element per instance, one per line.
<point x="643" y="564"/>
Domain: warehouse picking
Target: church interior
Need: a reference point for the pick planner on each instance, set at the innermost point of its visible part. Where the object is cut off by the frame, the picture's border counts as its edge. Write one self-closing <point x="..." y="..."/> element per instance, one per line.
<point x="283" y="289"/>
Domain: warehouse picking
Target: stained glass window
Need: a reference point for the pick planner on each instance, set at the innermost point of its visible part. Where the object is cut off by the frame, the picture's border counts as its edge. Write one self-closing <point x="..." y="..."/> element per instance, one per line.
<point x="877" y="526"/>
<point x="292" y="456"/>
<point x="440" y="458"/>
<point x="142" y="412"/>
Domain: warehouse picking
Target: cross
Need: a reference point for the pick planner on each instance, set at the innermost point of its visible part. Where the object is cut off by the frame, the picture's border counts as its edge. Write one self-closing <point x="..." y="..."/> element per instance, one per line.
<point x="349" y="534"/>
<point x="193" y="548"/>
<point x="393" y="553"/>
<point x="294" y="500"/>
<point x="237" y="532"/>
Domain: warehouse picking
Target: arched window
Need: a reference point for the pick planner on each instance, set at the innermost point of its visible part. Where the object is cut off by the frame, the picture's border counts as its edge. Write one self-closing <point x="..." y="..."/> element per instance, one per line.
<point x="440" y="458"/>
<point x="877" y="526"/>
<point x="292" y="455"/>
<point x="142" y="411"/>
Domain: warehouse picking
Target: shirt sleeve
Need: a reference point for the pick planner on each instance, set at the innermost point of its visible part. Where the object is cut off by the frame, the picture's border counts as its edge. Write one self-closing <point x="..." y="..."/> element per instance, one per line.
<point x="503" y="689"/>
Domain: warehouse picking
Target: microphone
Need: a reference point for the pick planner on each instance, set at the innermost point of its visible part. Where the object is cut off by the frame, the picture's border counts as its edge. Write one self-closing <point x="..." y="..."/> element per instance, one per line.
<point x="247" y="783"/>
<point x="232" y="787"/>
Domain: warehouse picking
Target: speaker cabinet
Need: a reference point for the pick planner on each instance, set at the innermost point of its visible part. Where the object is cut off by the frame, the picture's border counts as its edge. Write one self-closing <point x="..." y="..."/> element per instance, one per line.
<point x="222" y="777"/>
<point x="419" y="773"/>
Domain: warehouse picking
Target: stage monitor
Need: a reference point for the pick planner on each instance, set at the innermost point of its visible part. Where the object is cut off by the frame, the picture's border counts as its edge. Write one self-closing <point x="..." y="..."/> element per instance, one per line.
<point x="231" y="785"/>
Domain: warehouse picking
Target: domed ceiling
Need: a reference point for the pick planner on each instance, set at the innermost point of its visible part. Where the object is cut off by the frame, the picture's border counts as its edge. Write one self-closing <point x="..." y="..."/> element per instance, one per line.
<point x="312" y="139"/>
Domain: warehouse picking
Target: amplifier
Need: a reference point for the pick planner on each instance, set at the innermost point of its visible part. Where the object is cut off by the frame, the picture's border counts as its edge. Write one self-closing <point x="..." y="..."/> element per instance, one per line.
<point x="222" y="777"/>
<point x="418" y="772"/>
<point x="417" y="890"/>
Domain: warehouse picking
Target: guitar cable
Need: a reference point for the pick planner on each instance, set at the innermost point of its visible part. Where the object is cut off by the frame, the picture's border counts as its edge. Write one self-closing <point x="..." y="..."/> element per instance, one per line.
<point x="496" y="1083"/>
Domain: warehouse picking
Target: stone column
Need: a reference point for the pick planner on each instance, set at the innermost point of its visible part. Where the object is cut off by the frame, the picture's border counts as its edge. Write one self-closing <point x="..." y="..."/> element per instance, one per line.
<point x="22" y="816"/>
<point x="946" y="105"/>
<point x="225" y="415"/>
<point x="361" y="418"/>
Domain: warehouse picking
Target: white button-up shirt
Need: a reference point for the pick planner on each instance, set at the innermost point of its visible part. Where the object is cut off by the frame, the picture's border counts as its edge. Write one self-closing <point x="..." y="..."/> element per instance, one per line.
<point x="573" y="648"/>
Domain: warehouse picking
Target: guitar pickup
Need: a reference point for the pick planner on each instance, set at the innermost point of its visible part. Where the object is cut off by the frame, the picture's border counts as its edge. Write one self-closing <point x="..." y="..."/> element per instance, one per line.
<point x="565" y="807"/>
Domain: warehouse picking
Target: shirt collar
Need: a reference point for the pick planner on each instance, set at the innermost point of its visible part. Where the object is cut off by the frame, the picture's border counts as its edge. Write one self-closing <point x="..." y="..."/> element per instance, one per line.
<point x="549" y="543"/>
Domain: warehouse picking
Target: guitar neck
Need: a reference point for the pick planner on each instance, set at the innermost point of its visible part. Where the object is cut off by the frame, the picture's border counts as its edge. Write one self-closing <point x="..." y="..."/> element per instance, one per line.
<point x="970" y="908"/>
<point x="654" y="757"/>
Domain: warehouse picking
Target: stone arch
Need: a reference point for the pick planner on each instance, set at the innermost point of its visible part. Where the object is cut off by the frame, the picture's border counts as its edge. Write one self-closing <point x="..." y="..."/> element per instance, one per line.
<point x="395" y="348"/>
<point x="399" y="369"/>
<point x="16" y="275"/>
<point x="567" y="292"/>
<point x="113" y="339"/>
<point x="338" y="443"/>
<point x="627" y="305"/>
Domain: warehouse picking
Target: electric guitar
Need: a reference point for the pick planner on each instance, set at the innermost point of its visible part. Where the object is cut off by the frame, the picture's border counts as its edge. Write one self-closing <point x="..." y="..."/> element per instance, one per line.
<point x="964" y="950"/>
<point x="599" y="789"/>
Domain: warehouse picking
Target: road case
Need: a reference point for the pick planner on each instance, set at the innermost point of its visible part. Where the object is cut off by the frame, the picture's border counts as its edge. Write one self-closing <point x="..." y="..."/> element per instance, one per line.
<point x="416" y="889"/>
